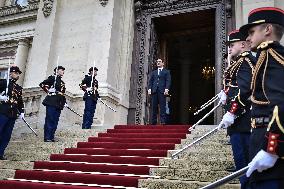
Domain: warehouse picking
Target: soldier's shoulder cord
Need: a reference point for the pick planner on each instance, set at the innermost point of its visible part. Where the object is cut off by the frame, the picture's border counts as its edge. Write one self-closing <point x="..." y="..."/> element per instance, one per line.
<point x="262" y="57"/>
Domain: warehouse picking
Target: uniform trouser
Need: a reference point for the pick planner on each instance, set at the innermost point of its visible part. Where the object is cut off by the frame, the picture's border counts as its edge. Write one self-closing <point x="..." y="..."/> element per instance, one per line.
<point x="89" y="111"/>
<point x="240" y="147"/>
<point x="158" y="98"/>
<point x="51" y="122"/>
<point x="6" y="128"/>
<point x="268" y="184"/>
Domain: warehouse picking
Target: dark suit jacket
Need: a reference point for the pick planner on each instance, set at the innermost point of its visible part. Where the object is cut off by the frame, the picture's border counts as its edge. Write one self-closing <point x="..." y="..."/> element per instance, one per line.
<point x="158" y="83"/>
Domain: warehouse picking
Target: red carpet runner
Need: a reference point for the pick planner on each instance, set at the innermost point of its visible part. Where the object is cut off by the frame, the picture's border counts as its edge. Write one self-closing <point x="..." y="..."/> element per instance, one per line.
<point x="119" y="157"/>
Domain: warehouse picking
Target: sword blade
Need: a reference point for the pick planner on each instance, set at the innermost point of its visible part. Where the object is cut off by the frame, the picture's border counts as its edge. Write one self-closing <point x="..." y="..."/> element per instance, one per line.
<point x="206" y="115"/>
<point x="196" y="141"/>
<point x="205" y="106"/>
<point x="74" y="111"/>
<point x="227" y="179"/>
<point x="8" y="77"/>
<point x="106" y="105"/>
<point x="29" y="126"/>
<point x="209" y="101"/>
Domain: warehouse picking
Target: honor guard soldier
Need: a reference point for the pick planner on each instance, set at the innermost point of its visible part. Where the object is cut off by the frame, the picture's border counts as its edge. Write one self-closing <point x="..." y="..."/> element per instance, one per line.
<point x="55" y="101"/>
<point x="237" y="105"/>
<point x="11" y="106"/>
<point x="90" y="87"/>
<point x="265" y="30"/>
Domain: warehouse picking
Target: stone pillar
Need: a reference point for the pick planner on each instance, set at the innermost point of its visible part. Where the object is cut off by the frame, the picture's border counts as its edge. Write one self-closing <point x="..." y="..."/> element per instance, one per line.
<point x="240" y="20"/>
<point x="2" y="3"/>
<point x="21" y="58"/>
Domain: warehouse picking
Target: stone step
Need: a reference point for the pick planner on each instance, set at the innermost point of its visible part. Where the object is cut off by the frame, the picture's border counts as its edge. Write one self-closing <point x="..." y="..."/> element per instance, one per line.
<point x="205" y="147"/>
<point x="202" y="175"/>
<point x="7" y="164"/>
<point x="42" y="144"/>
<point x="64" y="132"/>
<point x="38" y="142"/>
<point x="220" y="164"/>
<point x="174" y="184"/>
<point x="6" y="173"/>
<point x="27" y="156"/>
<point x="197" y="152"/>
<point x="213" y="138"/>
<point x="36" y="150"/>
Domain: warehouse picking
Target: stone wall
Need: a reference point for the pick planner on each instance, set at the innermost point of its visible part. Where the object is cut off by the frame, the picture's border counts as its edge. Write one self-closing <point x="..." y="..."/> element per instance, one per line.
<point x="243" y="7"/>
<point x="82" y="34"/>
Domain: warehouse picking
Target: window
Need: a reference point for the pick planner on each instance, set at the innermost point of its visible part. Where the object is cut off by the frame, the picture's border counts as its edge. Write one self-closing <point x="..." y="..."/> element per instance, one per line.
<point x="3" y="73"/>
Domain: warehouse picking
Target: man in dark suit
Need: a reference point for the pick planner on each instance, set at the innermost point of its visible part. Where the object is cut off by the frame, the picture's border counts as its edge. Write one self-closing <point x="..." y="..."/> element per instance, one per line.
<point x="158" y="88"/>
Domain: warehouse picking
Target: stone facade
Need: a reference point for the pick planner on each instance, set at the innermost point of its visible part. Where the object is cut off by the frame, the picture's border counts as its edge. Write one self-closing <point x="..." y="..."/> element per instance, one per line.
<point x="81" y="33"/>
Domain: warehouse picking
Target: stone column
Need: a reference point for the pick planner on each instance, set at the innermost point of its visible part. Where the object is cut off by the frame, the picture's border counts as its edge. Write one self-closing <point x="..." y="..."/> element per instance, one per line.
<point x="21" y="58"/>
<point x="2" y="3"/>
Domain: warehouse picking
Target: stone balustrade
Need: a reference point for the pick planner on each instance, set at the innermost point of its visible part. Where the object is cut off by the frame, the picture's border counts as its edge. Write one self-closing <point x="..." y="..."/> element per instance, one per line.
<point x="32" y="101"/>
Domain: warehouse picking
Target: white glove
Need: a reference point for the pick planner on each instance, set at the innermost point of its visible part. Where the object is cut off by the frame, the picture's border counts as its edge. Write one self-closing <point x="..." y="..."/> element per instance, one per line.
<point x="166" y="92"/>
<point x="228" y="120"/>
<point x="89" y="89"/>
<point x="149" y="91"/>
<point x="223" y="97"/>
<point x="22" y="116"/>
<point x="3" y="98"/>
<point x="51" y="90"/>
<point x="262" y="161"/>
<point x="66" y="105"/>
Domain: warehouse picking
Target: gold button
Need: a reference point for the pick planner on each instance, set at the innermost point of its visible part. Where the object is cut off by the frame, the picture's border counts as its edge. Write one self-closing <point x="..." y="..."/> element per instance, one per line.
<point x="272" y="143"/>
<point x="271" y="148"/>
<point x="273" y="136"/>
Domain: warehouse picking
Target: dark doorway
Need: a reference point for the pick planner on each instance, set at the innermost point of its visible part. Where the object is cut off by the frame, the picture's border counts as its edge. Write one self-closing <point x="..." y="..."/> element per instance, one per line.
<point x="187" y="44"/>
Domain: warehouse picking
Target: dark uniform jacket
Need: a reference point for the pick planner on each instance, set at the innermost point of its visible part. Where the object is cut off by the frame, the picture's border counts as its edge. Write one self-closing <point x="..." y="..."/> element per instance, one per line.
<point x="56" y="99"/>
<point x="268" y="100"/>
<point x="86" y="83"/>
<point x="158" y="83"/>
<point x="238" y="90"/>
<point x="14" y="106"/>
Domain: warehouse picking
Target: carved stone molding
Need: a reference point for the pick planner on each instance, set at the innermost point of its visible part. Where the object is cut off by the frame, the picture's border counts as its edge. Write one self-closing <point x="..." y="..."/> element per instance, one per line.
<point x="47" y="7"/>
<point x="13" y="9"/>
<point x="145" y="11"/>
<point x="103" y="2"/>
<point x="229" y="8"/>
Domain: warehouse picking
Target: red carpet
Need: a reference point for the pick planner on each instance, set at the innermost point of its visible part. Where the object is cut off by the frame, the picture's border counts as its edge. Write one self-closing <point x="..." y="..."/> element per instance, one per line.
<point x="119" y="157"/>
<point x="116" y="152"/>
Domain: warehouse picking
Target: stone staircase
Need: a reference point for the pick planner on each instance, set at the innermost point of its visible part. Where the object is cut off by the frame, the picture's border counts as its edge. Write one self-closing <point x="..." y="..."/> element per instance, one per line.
<point x="197" y="166"/>
<point x="25" y="148"/>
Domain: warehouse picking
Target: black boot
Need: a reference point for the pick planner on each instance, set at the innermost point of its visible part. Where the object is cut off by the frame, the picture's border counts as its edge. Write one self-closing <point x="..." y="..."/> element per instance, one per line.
<point x="3" y="158"/>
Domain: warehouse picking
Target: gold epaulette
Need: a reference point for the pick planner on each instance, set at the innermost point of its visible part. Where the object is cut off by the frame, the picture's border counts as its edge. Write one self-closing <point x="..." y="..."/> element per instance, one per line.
<point x="264" y="45"/>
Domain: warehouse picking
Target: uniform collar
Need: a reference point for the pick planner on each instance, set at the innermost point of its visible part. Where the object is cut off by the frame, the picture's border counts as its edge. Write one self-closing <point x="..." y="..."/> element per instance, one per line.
<point x="13" y="80"/>
<point x="268" y="44"/>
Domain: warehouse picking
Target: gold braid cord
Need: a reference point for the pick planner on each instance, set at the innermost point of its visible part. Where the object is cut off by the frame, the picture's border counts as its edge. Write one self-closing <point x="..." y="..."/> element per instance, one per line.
<point x="275" y="118"/>
<point x="263" y="55"/>
<point x="276" y="56"/>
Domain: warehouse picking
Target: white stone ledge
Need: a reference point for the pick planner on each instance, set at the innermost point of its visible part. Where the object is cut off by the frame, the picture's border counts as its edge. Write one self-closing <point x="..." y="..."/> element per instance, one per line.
<point x="28" y="33"/>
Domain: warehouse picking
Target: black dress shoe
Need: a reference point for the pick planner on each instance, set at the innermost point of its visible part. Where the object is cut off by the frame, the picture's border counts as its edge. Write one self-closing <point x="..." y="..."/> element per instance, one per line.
<point x="3" y="158"/>
<point x="55" y="140"/>
<point x="231" y="169"/>
<point x="47" y="140"/>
